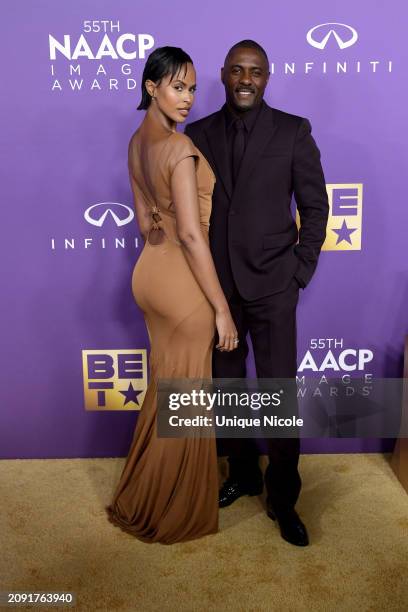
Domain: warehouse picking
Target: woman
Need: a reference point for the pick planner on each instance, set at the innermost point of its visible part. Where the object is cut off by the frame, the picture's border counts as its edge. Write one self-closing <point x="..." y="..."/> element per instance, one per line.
<point x="168" y="490"/>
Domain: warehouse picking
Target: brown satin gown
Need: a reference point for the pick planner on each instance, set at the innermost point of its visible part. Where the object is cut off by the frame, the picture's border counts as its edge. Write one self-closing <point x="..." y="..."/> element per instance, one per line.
<point x="168" y="490"/>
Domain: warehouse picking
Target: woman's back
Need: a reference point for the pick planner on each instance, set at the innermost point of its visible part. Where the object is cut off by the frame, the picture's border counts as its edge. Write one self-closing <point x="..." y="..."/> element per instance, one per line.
<point x="154" y="151"/>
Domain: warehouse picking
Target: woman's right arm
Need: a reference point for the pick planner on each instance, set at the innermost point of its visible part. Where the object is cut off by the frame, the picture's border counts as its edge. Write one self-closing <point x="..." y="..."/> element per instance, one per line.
<point x="185" y="199"/>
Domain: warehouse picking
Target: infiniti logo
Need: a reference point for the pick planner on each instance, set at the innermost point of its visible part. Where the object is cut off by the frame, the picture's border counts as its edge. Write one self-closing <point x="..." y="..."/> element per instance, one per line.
<point x="120" y="213"/>
<point x="344" y="35"/>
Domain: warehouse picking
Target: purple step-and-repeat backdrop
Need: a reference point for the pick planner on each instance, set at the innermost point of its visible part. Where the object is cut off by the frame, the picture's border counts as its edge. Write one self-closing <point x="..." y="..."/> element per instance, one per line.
<point x="74" y="342"/>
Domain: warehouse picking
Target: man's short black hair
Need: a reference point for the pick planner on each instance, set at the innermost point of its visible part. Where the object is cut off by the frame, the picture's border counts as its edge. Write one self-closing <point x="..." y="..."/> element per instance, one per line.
<point x="251" y="44"/>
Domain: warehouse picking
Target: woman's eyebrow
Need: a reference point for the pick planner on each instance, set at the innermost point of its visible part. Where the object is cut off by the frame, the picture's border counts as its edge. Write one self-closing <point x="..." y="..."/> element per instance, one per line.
<point x="183" y="82"/>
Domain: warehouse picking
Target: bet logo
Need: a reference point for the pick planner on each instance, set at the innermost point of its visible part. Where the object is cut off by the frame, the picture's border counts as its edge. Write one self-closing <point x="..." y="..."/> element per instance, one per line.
<point x="114" y="379"/>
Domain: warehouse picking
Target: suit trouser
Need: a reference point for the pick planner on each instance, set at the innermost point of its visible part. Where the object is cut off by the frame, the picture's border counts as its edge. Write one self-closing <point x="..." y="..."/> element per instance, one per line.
<point x="271" y="323"/>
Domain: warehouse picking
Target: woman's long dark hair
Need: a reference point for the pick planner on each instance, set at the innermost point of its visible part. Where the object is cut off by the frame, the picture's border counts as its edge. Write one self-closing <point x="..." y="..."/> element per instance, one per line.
<point x="160" y="63"/>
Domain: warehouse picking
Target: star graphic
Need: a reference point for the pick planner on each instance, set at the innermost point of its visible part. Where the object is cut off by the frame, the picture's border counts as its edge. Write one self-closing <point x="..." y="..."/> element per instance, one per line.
<point x="344" y="232"/>
<point x="131" y="395"/>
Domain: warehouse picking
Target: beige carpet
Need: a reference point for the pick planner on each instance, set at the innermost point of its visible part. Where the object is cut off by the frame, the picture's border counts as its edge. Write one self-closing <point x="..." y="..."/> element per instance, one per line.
<point x="55" y="536"/>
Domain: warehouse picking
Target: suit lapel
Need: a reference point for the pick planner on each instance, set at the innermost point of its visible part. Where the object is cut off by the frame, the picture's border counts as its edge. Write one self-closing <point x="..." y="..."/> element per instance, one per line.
<point x="217" y="141"/>
<point x="263" y="130"/>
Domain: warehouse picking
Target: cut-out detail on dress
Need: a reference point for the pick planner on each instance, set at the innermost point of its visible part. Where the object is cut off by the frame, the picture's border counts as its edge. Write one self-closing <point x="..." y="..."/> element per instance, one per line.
<point x="155" y="214"/>
<point x="156" y="233"/>
<point x="156" y="236"/>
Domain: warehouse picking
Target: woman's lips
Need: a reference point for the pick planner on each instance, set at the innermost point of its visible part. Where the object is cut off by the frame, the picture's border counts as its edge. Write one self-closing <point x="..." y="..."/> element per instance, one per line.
<point x="183" y="111"/>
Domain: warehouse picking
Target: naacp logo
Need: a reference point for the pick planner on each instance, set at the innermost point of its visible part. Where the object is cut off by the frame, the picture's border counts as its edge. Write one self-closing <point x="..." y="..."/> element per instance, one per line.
<point x="331" y="354"/>
<point x="114" y="379"/>
<point x="120" y="213"/>
<point x="344" y="35"/>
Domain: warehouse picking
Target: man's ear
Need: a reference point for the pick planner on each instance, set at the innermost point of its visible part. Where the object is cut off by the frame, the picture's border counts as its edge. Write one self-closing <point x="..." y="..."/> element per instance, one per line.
<point x="222" y="75"/>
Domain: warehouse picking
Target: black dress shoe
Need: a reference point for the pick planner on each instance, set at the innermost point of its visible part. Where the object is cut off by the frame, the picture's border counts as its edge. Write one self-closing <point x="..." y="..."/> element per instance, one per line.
<point x="291" y="527"/>
<point x="232" y="490"/>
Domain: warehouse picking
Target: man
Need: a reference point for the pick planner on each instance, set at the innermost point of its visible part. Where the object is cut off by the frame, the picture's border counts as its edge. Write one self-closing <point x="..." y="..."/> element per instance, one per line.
<point x="261" y="157"/>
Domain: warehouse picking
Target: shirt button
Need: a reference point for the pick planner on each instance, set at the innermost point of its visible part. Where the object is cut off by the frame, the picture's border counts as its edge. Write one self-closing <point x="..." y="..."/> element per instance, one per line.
<point x="232" y="212"/>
